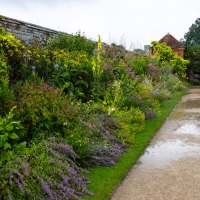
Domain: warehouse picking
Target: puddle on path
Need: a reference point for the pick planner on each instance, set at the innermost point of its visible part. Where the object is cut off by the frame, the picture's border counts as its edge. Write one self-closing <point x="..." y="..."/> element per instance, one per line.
<point x="178" y="115"/>
<point x="189" y="129"/>
<point x="190" y="104"/>
<point x="163" y="154"/>
<point x="190" y="114"/>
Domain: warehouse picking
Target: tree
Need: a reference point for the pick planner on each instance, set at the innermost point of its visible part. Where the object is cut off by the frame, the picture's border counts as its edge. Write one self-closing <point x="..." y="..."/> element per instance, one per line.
<point x="192" y="42"/>
<point x="192" y="37"/>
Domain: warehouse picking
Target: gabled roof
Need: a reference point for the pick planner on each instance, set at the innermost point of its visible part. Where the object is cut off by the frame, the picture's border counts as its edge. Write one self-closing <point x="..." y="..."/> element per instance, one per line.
<point x="171" y="41"/>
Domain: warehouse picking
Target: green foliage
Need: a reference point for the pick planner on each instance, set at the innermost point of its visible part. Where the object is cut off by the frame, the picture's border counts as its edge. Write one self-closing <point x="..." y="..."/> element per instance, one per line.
<point x="165" y="55"/>
<point x="6" y="97"/>
<point x="145" y="98"/>
<point x="139" y="64"/>
<point x="12" y="51"/>
<point x="6" y="94"/>
<point x="70" y="43"/>
<point x="48" y="172"/>
<point x="192" y="37"/>
<point x="3" y="69"/>
<point x="72" y="73"/>
<point x="10" y="136"/>
<point x="132" y="122"/>
<point x="94" y="136"/>
<point x="43" y="110"/>
<point x="97" y="69"/>
<point x="193" y="54"/>
<point x="37" y="58"/>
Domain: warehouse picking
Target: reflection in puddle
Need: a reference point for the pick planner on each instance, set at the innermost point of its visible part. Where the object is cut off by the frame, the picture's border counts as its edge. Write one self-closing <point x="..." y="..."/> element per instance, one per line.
<point x="189" y="129"/>
<point x="162" y="154"/>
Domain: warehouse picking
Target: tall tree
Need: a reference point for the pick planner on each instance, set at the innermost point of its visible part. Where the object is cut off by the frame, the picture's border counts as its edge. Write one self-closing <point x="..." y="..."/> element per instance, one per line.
<point x="192" y="37"/>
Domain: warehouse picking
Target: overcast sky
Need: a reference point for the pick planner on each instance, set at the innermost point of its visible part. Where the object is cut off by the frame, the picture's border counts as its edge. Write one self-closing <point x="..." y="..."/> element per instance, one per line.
<point x="132" y="23"/>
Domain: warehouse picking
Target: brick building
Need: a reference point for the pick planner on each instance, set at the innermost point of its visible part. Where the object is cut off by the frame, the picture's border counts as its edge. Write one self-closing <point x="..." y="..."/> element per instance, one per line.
<point x="175" y="45"/>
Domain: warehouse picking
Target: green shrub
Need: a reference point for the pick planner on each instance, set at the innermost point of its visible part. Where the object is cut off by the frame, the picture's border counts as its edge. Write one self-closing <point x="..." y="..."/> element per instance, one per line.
<point x="10" y="134"/>
<point x="139" y="64"/>
<point x="132" y="122"/>
<point x="144" y="98"/>
<point x="43" y="110"/>
<point x="48" y="172"/>
<point x="37" y="58"/>
<point x="162" y="94"/>
<point x="94" y="136"/>
<point x="71" y="43"/>
<point x="6" y="93"/>
<point x="164" y="54"/>
<point x="72" y="73"/>
<point x="12" y="50"/>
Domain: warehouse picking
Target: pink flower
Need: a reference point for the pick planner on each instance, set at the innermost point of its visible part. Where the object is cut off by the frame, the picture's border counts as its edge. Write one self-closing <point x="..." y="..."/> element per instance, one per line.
<point x="89" y="125"/>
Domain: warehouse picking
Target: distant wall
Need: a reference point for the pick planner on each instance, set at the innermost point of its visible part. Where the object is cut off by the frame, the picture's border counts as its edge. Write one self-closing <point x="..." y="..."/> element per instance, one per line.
<point x="28" y="32"/>
<point x="25" y="31"/>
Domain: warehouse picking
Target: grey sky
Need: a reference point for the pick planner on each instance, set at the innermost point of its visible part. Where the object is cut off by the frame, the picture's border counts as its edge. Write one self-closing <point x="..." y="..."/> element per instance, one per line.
<point x="132" y="23"/>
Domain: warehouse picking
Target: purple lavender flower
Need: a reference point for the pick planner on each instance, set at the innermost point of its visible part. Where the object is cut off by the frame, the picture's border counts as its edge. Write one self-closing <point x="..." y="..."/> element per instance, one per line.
<point x="53" y="161"/>
<point x="20" y="187"/>
<point x="66" y="180"/>
<point x="27" y="169"/>
<point x="71" y="171"/>
<point x="56" y="154"/>
<point x="68" y="149"/>
<point x="47" y="189"/>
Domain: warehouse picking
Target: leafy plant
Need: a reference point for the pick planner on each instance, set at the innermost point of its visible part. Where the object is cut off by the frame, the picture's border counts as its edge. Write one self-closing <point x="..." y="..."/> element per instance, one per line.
<point x="71" y="43"/>
<point x="164" y="54"/>
<point x="72" y="74"/>
<point x="131" y="122"/>
<point x="43" y="110"/>
<point x="139" y="64"/>
<point x="12" y="51"/>
<point x="6" y="93"/>
<point x="10" y="136"/>
<point x="97" y="69"/>
<point x="48" y="172"/>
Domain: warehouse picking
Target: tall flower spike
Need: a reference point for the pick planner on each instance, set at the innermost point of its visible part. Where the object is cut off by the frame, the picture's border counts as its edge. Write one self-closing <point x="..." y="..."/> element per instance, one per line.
<point x="99" y="43"/>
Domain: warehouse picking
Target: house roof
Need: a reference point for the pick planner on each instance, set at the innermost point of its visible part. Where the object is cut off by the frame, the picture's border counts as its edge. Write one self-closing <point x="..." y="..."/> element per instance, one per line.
<point x="171" y="41"/>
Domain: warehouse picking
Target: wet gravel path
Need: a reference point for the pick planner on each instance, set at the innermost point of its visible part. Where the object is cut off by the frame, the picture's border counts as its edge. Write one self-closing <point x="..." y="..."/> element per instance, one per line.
<point x="169" y="169"/>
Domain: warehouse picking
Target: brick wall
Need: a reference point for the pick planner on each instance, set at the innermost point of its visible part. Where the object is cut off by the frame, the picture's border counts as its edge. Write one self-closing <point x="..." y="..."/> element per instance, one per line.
<point x="26" y="32"/>
<point x="179" y="51"/>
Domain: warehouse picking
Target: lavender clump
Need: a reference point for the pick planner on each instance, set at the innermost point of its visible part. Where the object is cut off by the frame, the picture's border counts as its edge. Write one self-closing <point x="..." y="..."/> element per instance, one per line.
<point x="50" y="173"/>
<point x="107" y="148"/>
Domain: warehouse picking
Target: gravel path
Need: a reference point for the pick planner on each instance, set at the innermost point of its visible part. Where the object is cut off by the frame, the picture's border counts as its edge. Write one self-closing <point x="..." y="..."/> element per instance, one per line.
<point x="169" y="169"/>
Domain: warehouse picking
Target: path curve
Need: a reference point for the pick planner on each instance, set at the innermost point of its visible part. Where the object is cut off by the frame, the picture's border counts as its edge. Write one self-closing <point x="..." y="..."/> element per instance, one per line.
<point x="169" y="169"/>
